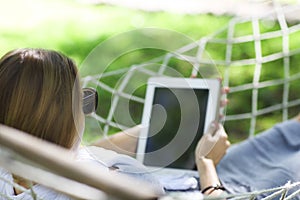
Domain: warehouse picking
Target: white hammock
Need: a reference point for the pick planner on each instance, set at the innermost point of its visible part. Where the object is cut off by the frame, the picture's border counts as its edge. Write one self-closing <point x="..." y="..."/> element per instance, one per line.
<point x="199" y="59"/>
<point x="272" y="27"/>
<point x="19" y="155"/>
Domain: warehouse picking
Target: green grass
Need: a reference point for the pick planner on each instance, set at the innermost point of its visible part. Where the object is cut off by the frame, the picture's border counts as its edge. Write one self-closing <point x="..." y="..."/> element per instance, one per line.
<point x="75" y="28"/>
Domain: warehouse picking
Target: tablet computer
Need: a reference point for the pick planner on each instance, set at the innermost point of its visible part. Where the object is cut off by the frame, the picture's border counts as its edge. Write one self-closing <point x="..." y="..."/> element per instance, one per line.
<point x="177" y="111"/>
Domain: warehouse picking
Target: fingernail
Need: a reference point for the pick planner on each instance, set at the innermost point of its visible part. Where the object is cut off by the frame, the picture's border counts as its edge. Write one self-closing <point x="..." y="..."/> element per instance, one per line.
<point x="213" y="124"/>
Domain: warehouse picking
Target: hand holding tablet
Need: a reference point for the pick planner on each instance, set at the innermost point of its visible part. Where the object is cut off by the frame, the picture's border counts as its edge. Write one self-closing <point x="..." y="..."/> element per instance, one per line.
<point x="213" y="144"/>
<point x="177" y="111"/>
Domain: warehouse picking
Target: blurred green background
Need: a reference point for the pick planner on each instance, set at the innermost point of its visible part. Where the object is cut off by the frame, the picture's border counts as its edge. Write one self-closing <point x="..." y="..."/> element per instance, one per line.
<point x="76" y="28"/>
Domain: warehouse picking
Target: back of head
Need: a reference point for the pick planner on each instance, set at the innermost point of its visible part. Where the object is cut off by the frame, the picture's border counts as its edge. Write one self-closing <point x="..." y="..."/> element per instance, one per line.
<point x="37" y="96"/>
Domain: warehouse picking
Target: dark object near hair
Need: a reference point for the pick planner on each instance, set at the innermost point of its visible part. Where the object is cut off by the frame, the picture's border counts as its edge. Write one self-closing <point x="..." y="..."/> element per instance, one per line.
<point x="90" y="100"/>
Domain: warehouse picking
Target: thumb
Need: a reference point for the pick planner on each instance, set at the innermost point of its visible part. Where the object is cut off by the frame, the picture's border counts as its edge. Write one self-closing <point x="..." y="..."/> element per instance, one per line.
<point x="212" y="129"/>
<point x="220" y="132"/>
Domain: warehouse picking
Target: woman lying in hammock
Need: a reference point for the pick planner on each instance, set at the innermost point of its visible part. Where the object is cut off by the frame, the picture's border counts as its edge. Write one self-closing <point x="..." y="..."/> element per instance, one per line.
<point x="268" y="160"/>
<point x="41" y="95"/>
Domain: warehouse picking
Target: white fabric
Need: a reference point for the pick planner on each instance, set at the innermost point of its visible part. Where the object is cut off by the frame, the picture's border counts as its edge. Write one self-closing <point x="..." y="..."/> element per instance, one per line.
<point x="7" y="191"/>
<point x="180" y="182"/>
<point x="121" y="163"/>
<point x="100" y="157"/>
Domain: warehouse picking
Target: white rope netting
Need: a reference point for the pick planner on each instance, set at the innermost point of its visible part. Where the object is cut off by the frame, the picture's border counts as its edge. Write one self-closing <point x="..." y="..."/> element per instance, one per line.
<point x="258" y="58"/>
<point x="270" y="194"/>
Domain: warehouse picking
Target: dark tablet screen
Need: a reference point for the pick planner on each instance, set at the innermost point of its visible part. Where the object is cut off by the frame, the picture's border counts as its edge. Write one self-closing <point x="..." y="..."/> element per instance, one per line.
<point x="176" y="125"/>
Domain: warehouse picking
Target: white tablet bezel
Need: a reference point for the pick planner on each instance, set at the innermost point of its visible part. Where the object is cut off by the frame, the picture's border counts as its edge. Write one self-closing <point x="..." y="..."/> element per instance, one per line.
<point x="212" y="114"/>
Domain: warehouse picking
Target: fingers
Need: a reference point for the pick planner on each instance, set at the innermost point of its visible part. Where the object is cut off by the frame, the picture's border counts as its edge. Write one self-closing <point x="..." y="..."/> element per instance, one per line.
<point x="223" y="136"/>
<point x="224" y="102"/>
<point x="219" y="132"/>
<point x="225" y="90"/>
<point x="216" y="130"/>
<point x="213" y="127"/>
<point x="228" y="143"/>
<point x="213" y="144"/>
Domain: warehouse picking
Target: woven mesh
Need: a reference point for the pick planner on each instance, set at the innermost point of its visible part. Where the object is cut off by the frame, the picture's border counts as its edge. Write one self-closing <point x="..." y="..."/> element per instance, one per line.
<point x="258" y="58"/>
<point x="259" y="91"/>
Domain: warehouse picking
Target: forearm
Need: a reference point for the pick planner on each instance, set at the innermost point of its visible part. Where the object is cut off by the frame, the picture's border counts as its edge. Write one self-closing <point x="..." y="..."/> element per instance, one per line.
<point x="208" y="175"/>
<point x="124" y="142"/>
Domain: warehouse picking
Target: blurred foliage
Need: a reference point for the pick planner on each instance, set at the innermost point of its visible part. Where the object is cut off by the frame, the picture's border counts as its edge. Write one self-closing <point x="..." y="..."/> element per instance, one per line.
<point x="76" y="29"/>
<point x="269" y="93"/>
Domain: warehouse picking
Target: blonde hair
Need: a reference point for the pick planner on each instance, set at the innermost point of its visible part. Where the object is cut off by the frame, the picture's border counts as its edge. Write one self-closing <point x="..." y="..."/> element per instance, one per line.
<point x="40" y="94"/>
